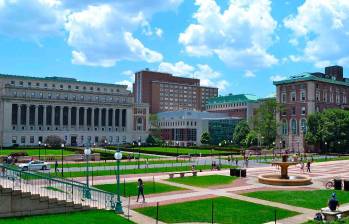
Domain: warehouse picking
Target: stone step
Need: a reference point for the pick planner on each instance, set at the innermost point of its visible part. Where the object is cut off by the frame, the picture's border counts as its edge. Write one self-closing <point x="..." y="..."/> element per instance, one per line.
<point x="34" y="196"/>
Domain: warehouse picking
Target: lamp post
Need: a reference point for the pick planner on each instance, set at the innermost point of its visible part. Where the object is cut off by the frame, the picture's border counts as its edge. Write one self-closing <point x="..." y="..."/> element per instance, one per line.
<point x="219" y="157"/>
<point x="45" y="145"/>
<point x="39" y="150"/>
<point x="62" y="146"/>
<point x="280" y="147"/>
<point x="326" y="150"/>
<point x="139" y="153"/>
<point x="118" y="206"/>
<point x="87" y="192"/>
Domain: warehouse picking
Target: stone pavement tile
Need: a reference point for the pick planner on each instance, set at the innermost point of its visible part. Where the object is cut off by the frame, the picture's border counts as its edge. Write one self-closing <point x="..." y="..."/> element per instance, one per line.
<point x="142" y="219"/>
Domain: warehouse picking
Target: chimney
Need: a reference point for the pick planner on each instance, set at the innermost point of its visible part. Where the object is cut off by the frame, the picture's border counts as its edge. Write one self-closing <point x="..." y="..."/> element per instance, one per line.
<point x="335" y="72"/>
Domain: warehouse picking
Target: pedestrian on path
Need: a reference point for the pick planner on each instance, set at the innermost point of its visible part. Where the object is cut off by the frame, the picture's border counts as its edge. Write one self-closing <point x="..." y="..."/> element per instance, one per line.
<point x="236" y="161"/>
<point x="140" y="189"/>
<point x="56" y="166"/>
<point x="302" y="166"/>
<point x="308" y="167"/>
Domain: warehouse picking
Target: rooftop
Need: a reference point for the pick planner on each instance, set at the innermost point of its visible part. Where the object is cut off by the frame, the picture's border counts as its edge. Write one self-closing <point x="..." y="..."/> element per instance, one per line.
<point x="233" y="99"/>
<point x="316" y="76"/>
<point x="59" y="79"/>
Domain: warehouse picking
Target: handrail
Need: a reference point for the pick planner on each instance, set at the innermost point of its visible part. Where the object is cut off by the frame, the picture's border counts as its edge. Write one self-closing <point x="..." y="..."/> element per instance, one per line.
<point x="62" y="189"/>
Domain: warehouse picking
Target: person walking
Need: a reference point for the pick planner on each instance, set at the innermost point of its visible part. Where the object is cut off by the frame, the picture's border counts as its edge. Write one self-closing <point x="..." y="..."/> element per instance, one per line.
<point x="56" y="166"/>
<point x="308" y="167"/>
<point x="236" y="161"/>
<point x="302" y="166"/>
<point x="140" y="189"/>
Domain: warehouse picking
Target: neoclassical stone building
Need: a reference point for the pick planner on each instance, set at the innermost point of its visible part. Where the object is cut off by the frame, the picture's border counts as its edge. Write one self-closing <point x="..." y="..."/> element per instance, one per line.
<point x="81" y="113"/>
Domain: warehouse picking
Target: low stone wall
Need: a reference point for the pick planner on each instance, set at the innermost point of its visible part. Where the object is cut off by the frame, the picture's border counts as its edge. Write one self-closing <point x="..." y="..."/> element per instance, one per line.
<point x="76" y="157"/>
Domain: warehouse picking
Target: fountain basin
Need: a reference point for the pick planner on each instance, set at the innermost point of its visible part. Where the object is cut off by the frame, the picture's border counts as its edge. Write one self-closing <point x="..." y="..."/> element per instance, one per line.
<point x="275" y="179"/>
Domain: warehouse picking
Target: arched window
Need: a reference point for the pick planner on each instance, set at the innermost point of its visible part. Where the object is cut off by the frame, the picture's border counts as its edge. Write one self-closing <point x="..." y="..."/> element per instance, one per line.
<point x="284" y="127"/>
<point x="294" y="126"/>
<point x="303" y="125"/>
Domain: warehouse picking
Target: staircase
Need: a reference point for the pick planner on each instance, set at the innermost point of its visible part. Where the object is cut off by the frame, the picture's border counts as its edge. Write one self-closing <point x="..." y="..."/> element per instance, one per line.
<point x="24" y="193"/>
<point x="19" y="203"/>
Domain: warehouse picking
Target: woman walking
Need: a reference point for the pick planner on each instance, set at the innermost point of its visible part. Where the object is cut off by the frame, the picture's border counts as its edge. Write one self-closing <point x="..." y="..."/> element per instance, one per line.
<point x="140" y="189"/>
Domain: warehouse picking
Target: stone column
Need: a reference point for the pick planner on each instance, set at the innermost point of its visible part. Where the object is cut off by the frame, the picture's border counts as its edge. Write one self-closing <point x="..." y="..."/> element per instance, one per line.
<point x="120" y="120"/>
<point x="69" y="117"/>
<point x="93" y="118"/>
<point x="36" y="118"/>
<point x="44" y="117"/>
<point x="77" y="118"/>
<point x="61" y="117"/>
<point x="19" y="115"/>
<point x="85" y="118"/>
<point x="27" y="116"/>
<point x="99" y="119"/>
<point x="113" y="119"/>
<point x="53" y="115"/>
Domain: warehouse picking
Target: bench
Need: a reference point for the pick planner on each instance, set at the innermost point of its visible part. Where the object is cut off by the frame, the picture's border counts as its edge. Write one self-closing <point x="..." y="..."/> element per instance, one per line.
<point x="182" y="174"/>
<point x="333" y="215"/>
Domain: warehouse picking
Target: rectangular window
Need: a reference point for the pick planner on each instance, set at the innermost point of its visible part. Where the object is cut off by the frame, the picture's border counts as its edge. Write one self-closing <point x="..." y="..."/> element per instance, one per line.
<point x="303" y="95"/>
<point x="14" y="140"/>
<point x="293" y="96"/>
<point x="317" y="96"/>
<point x="303" y="110"/>
<point x="23" y="139"/>
<point x="293" y="110"/>
<point x="31" y="139"/>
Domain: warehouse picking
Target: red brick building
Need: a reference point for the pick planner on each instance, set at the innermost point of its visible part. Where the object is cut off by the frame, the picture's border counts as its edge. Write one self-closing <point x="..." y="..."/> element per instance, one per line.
<point x="304" y="94"/>
<point x="165" y="92"/>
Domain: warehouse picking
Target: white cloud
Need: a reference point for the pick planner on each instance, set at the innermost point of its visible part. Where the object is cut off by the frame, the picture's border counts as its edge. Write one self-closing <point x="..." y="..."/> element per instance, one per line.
<point x="277" y="77"/>
<point x="32" y="19"/>
<point x="128" y="73"/>
<point x="128" y="83"/>
<point x="158" y="32"/>
<point x="249" y="74"/>
<point x="100" y="32"/>
<point x="239" y="36"/>
<point x="207" y="76"/>
<point x="322" y="25"/>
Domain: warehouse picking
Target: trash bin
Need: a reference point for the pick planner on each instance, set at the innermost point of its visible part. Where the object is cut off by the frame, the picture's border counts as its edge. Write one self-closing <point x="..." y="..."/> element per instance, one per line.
<point x="232" y="172"/>
<point x="346" y="185"/>
<point x="337" y="184"/>
<point x="243" y="172"/>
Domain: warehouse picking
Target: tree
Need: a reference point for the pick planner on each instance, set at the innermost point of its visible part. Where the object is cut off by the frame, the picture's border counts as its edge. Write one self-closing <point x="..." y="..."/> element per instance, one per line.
<point x="251" y="139"/>
<point x="205" y="138"/>
<point x="241" y="130"/>
<point x="330" y="126"/>
<point x="264" y="121"/>
<point x="154" y="125"/>
<point x="54" y="141"/>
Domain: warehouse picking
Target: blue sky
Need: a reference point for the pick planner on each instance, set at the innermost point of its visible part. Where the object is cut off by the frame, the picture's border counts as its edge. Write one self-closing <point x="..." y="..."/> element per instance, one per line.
<point x="237" y="45"/>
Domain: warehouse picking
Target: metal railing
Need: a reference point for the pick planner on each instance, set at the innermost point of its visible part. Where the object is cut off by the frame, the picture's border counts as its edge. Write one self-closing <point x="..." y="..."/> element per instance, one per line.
<point x="46" y="186"/>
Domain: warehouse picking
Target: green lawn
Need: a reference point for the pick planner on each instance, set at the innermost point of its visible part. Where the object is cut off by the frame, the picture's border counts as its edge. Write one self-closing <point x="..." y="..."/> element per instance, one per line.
<point x="122" y="171"/>
<point x="35" y="152"/>
<point x="130" y="189"/>
<point x="225" y="210"/>
<point x="181" y="150"/>
<point x="204" y="181"/>
<point x="308" y="199"/>
<point x="122" y="163"/>
<point x="88" y="217"/>
<point x="332" y="159"/>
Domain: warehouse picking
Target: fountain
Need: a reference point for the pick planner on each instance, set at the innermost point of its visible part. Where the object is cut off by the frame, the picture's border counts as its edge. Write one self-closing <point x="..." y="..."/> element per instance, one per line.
<point x="284" y="179"/>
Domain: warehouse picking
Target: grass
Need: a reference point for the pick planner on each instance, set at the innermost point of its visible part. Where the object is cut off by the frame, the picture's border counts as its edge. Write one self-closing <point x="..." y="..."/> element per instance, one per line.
<point x="29" y="176"/>
<point x="181" y="150"/>
<point x="204" y="181"/>
<point x="226" y="210"/>
<point x="331" y="159"/>
<point x="35" y="152"/>
<point x="124" y="162"/>
<point x="90" y="217"/>
<point x="130" y="189"/>
<point x="316" y="199"/>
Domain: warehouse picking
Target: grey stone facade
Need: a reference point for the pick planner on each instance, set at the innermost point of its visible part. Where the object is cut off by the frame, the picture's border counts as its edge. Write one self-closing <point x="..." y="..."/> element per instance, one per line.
<point x="79" y="112"/>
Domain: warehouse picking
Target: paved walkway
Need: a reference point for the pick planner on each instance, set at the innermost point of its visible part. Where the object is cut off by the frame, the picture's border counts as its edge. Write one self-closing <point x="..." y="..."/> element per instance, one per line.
<point x="321" y="173"/>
